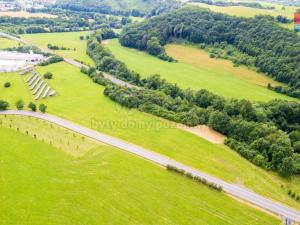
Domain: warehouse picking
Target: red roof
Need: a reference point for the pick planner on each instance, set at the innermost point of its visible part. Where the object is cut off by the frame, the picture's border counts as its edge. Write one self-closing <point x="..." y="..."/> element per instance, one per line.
<point x="297" y="17"/>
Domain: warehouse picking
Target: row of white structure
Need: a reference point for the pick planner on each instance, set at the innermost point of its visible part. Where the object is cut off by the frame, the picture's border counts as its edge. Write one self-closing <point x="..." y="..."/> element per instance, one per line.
<point x="39" y="87"/>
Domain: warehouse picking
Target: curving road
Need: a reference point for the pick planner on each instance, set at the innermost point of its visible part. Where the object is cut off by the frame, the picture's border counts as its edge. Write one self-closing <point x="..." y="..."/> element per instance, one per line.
<point x="72" y="62"/>
<point x="106" y="75"/>
<point x="2" y="34"/>
<point x="232" y="189"/>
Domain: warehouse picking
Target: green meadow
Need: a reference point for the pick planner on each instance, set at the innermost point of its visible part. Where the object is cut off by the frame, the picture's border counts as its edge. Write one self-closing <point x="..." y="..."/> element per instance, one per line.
<point x="41" y="184"/>
<point x="197" y="71"/>
<point x="82" y="101"/>
<point x="17" y="89"/>
<point x="7" y="43"/>
<point x="287" y="11"/>
<point x="71" y="143"/>
<point x="236" y="82"/>
<point x="69" y="40"/>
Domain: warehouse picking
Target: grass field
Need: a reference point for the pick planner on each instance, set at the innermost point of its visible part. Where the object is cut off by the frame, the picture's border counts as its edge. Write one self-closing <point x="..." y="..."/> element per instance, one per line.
<point x="7" y="43"/>
<point x="251" y="12"/>
<point x="59" y="137"/>
<point x="83" y="102"/>
<point x="187" y="75"/>
<point x="199" y="58"/>
<point x="196" y="70"/>
<point x="69" y="40"/>
<point x="40" y="184"/>
<point x="17" y="90"/>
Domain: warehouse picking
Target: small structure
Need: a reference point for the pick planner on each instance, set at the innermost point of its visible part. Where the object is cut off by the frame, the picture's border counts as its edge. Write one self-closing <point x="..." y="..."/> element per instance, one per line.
<point x="15" y="61"/>
<point x="27" y="69"/>
<point x="39" y="87"/>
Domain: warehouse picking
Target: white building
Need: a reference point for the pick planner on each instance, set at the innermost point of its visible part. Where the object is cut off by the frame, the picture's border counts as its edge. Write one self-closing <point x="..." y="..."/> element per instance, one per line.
<point x="15" y="61"/>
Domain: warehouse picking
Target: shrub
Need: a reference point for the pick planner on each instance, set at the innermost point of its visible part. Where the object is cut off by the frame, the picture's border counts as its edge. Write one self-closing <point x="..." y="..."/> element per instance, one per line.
<point x="48" y="75"/>
<point x="42" y="108"/>
<point x="7" y="84"/>
<point x="20" y="104"/>
<point x="53" y="59"/>
<point x="32" y="106"/>
<point x="293" y="195"/>
<point x="3" y="105"/>
<point x="196" y="178"/>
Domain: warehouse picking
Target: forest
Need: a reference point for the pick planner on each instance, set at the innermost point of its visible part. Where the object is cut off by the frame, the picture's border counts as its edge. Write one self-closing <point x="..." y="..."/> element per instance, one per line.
<point x="63" y="23"/>
<point x="138" y="8"/>
<point x="275" y="50"/>
<point x="267" y="134"/>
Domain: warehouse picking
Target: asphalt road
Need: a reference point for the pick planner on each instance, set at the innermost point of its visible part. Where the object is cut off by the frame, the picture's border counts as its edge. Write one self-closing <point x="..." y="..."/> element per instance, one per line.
<point x="106" y="75"/>
<point x="14" y="38"/>
<point x="232" y="189"/>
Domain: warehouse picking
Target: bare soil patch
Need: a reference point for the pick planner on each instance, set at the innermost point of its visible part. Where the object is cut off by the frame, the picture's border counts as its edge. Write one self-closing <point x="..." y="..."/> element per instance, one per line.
<point x="205" y="132"/>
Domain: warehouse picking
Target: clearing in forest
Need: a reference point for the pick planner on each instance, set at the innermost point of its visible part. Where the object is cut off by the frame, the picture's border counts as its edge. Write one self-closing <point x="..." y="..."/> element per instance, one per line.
<point x="231" y="82"/>
<point x="75" y="48"/>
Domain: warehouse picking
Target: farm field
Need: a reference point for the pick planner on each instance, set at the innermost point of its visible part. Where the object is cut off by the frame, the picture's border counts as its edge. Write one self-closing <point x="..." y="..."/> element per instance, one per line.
<point x="92" y="109"/>
<point x="69" y="40"/>
<point x="251" y="12"/>
<point x="196" y="74"/>
<point x="7" y="43"/>
<point x="27" y="14"/>
<point x="69" y="190"/>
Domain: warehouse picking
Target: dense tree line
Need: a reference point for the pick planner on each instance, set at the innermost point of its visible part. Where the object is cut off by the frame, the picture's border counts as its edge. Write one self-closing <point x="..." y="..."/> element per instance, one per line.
<point x="27" y="49"/>
<point x="267" y="134"/>
<point x="51" y="60"/>
<point x="138" y="8"/>
<point x="252" y="130"/>
<point x="55" y="47"/>
<point x="62" y="23"/>
<point x="104" y="34"/>
<point x="105" y="61"/>
<point x="275" y="50"/>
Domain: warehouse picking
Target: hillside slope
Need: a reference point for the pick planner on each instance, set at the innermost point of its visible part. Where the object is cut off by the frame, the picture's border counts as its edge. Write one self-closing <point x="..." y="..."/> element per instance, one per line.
<point x="265" y="46"/>
<point x="120" y="7"/>
<point x="40" y="184"/>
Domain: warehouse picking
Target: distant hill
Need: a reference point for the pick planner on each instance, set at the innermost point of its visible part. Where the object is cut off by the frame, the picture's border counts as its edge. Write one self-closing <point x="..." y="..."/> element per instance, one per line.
<point x="120" y="7"/>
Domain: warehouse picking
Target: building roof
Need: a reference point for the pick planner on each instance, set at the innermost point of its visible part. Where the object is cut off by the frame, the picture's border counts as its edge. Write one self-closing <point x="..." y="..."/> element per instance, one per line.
<point x="297" y="17"/>
<point x="19" y="56"/>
